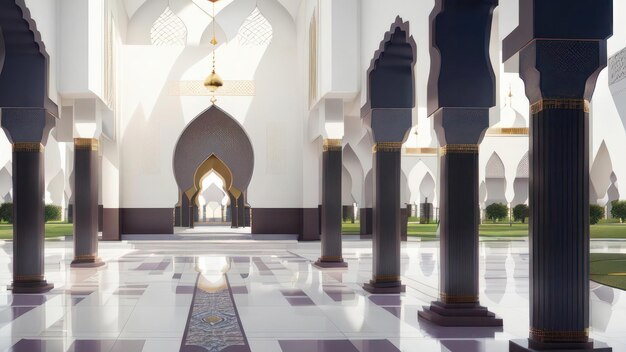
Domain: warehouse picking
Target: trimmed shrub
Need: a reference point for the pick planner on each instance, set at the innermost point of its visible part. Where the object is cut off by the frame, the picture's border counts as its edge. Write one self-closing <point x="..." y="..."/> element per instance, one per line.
<point x="496" y="211"/>
<point x="520" y="213"/>
<point x="52" y="213"/>
<point x="596" y="213"/>
<point x="618" y="210"/>
<point x="6" y="212"/>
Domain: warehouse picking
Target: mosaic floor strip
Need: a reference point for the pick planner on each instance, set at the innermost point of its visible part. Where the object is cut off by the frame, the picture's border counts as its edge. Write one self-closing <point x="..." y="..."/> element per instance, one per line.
<point x="214" y="325"/>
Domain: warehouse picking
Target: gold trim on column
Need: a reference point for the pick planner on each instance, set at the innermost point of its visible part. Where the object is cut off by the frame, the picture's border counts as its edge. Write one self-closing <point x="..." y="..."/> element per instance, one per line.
<point x="28" y="278"/>
<point x="386" y="278"/>
<point x="28" y="147"/>
<point x="85" y="257"/>
<point x="86" y="144"/>
<point x="508" y="131"/>
<point x="559" y="104"/>
<point x="559" y="336"/>
<point x="387" y="147"/>
<point x="460" y="149"/>
<point x="332" y="145"/>
<point x="331" y="258"/>
<point x="446" y="298"/>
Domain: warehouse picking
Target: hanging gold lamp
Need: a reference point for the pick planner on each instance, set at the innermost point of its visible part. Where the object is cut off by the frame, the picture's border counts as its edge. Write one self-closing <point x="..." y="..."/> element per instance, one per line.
<point x="213" y="82"/>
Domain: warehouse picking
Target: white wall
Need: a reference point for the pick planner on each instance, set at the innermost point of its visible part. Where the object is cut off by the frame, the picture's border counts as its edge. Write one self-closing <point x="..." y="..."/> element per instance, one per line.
<point x="270" y="118"/>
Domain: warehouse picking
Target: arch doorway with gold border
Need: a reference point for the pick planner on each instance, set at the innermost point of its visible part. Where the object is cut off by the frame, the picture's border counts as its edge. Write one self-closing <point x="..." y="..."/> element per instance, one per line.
<point x="213" y="152"/>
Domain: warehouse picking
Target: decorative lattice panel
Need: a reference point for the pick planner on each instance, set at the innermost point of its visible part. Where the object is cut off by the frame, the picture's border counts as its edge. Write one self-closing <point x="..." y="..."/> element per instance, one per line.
<point x="197" y="88"/>
<point x="168" y="30"/>
<point x="256" y="30"/>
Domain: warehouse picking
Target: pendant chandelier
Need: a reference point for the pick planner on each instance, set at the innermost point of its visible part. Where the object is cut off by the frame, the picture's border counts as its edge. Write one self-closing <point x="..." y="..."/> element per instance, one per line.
<point x="213" y="82"/>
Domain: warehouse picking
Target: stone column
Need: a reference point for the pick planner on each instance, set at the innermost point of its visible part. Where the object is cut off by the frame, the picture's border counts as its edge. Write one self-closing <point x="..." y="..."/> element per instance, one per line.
<point x="193" y="211"/>
<point x="386" y="236"/>
<point x="365" y="222"/>
<point x="560" y="59"/>
<point x="388" y="115"/>
<point x="559" y="192"/>
<point x="86" y="200"/>
<point x="177" y="215"/>
<point x="184" y="211"/>
<point x="331" y="206"/>
<point x="461" y="89"/>
<point x="234" y="214"/>
<point x="27" y="129"/>
<point x="241" y="211"/>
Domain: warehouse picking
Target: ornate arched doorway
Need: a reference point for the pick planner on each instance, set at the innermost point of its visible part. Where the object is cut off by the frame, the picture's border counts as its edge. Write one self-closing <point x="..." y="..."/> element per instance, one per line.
<point x="213" y="142"/>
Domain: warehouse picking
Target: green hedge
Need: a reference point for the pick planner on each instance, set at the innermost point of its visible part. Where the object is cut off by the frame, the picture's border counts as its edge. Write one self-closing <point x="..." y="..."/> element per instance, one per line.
<point x="6" y="212"/>
<point x="596" y="213"/>
<point x="52" y="213"/>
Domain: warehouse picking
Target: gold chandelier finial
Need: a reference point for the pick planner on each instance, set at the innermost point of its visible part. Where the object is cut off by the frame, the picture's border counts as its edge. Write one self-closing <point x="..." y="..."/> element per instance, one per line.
<point x="213" y="82"/>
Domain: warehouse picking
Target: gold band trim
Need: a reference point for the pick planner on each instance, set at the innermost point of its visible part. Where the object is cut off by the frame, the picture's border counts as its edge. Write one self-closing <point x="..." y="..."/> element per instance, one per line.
<point x="387" y="147"/>
<point x="331" y="258"/>
<point x="446" y="298"/>
<point x="460" y="149"/>
<point x="386" y="278"/>
<point x="421" y="151"/>
<point x="28" y="278"/>
<point x="85" y="257"/>
<point x="332" y="145"/>
<point x="559" y="104"/>
<point x="559" y="336"/>
<point x="28" y="147"/>
<point x="86" y="144"/>
<point x="508" y="131"/>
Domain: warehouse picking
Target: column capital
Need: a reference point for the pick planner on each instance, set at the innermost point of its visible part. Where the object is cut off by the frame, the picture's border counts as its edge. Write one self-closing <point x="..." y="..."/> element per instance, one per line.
<point x="30" y="125"/>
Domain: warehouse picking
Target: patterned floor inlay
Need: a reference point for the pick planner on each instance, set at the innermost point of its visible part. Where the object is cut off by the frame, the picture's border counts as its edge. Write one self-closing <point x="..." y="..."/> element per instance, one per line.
<point x="214" y="324"/>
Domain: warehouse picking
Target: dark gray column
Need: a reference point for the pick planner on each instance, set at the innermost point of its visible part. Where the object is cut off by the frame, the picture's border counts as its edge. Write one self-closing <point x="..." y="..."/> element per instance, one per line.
<point x="331" y="206"/>
<point x="204" y="213"/>
<point x="28" y="129"/>
<point x="28" y="219"/>
<point x="386" y="236"/>
<point x="234" y="216"/>
<point x="86" y="200"/>
<point x="365" y="222"/>
<point x="184" y="211"/>
<point x="193" y="211"/>
<point x="560" y="60"/>
<point x="241" y="211"/>
<point x="461" y="90"/>
<point x="177" y="214"/>
<point x="388" y="116"/>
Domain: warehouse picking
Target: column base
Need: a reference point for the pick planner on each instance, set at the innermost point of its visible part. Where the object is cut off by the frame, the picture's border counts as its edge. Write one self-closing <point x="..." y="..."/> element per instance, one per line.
<point x="529" y="345"/>
<point x="87" y="263"/>
<point x="39" y="286"/>
<point x="322" y="264"/>
<point x="382" y="287"/>
<point x="459" y="314"/>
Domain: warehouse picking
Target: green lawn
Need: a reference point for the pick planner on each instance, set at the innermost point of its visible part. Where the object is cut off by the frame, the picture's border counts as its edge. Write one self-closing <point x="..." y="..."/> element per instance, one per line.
<point x="518" y="230"/>
<point x="53" y="229"/>
<point x="609" y="269"/>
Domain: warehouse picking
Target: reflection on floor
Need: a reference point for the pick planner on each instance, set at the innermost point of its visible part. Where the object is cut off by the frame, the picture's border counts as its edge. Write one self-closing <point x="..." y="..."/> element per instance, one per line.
<point x="266" y="296"/>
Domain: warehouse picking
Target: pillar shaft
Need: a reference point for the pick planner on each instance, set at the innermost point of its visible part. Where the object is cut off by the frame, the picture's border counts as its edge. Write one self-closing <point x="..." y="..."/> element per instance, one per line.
<point x="184" y="211"/>
<point x="241" y="211"/>
<point x="234" y="216"/>
<point x="28" y="218"/>
<point x="331" y="205"/>
<point x="559" y="221"/>
<point x="86" y="201"/>
<point x="386" y="227"/>
<point x="459" y="220"/>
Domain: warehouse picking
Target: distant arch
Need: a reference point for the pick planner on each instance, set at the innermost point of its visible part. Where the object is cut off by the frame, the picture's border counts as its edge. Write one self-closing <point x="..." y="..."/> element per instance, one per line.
<point x="495" y="180"/>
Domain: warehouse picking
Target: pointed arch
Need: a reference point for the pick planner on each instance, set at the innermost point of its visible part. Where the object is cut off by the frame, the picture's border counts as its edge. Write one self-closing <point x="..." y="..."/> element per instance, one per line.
<point x="427" y="188"/>
<point x="256" y="30"/>
<point x="601" y="171"/>
<point x="521" y="183"/>
<point x="213" y="133"/>
<point x="495" y="180"/>
<point x="168" y="30"/>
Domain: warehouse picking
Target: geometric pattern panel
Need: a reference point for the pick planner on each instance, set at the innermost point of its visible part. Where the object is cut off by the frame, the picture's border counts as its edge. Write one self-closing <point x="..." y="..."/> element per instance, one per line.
<point x="197" y="89"/>
<point x="617" y="67"/>
<point x="255" y="30"/>
<point x="495" y="167"/>
<point x="168" y="30"/>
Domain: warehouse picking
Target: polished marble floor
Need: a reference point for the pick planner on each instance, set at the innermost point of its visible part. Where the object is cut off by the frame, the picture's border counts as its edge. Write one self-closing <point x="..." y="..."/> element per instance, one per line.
<point x="242" y="295"/>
